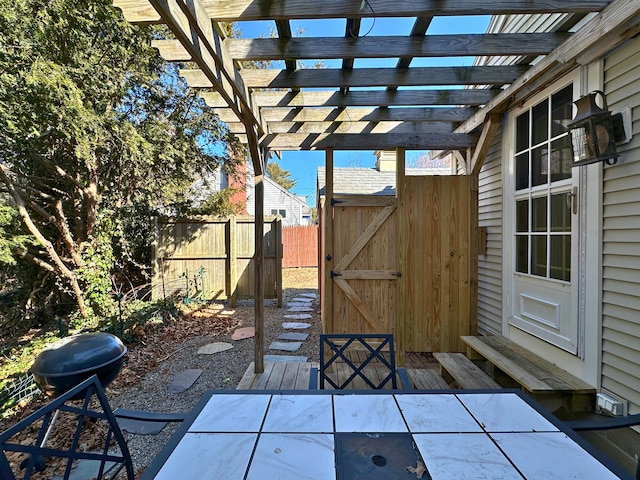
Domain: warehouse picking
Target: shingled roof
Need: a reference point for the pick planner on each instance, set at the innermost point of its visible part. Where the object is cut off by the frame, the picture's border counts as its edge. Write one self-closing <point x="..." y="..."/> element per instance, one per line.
<point x="364" y="181"/>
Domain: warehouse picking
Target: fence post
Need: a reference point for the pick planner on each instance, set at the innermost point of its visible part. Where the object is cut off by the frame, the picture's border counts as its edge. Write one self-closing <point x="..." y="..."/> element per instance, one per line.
<point x="232" y="255"/>
<point x="277" y="225"/>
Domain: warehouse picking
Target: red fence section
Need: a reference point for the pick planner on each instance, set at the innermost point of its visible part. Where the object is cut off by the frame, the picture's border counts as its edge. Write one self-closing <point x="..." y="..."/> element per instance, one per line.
<point x="300" y="246"/>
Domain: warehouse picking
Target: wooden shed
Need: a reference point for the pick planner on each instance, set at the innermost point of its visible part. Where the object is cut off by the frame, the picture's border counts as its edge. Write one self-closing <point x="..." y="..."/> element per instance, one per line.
<point x="399" y="255"/>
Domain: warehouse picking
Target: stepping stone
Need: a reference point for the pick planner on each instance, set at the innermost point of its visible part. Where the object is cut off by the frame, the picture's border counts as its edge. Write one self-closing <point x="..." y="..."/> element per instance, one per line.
<point x="286" y="346"/>
<point x="85" y="468"/>
<point x="139" y="427"/>
<point x="182" y="381"/>
<point x="296" y="325"/>
<point x="300" y="309"/>
<point x="244" y="332"/>
<point x="302" y="299"/>
<point x="284" y="358"/>
<point x="212" y="348"/>
<point x="299" y="316"/>
<point x="298" y="337"/>
<point x="226" y="312"/>
<point x="299" y="304"/>
<point x="310" y="295"/>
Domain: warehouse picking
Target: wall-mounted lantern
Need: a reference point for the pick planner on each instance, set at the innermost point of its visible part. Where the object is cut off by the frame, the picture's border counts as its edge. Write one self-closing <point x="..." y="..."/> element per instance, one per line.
<point x="593" y="131"/>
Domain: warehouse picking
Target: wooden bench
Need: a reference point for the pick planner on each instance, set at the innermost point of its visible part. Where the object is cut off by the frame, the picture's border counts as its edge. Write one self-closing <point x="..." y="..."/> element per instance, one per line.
<point x="427" y="379"/>
<point x="546" y="382"/>
<point x="455" y="366"/>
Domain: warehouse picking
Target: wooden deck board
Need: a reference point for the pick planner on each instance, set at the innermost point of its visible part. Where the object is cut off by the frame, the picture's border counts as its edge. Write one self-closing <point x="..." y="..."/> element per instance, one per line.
<point x="420" y="360"/>
<point x="277" y="376"/>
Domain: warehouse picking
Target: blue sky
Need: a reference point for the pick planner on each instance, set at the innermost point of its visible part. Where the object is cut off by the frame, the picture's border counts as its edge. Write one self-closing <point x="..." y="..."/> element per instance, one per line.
<point x="303" y="165"/>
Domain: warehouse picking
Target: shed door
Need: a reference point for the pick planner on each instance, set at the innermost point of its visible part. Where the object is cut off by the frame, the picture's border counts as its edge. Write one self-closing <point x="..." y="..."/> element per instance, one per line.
<point x="364" y="274"/>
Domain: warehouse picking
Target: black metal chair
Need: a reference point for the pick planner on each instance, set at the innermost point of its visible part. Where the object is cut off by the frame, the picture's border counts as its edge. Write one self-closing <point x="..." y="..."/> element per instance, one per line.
<point x="606" y="423"/>
<point x="97" y="416"/>
<point x="377" y="353"/>
<point x="87" y="409"/>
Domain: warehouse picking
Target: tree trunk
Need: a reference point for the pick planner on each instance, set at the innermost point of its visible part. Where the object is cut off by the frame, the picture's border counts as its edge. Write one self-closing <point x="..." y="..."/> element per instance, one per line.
<point x="58" y="264"/>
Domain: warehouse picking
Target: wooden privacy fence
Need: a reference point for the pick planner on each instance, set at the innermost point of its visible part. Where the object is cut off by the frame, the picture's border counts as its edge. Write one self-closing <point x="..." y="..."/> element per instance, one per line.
<point x="212" y="257"/>
<point x="300" y="246"/>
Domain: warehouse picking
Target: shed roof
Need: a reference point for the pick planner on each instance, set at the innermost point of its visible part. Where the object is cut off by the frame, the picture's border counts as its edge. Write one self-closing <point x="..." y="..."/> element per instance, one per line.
<point x="363" y="181"/>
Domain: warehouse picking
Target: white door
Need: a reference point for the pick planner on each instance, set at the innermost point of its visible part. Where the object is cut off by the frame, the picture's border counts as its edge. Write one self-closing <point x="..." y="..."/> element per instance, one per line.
<point x="541" y="220"/>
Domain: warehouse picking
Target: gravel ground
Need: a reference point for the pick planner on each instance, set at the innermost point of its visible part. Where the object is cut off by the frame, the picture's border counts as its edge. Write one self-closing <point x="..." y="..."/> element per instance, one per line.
<point x="174" y="351"/>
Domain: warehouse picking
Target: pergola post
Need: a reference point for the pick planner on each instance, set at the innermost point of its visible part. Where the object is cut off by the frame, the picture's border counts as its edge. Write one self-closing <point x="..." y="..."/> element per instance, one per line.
<point x="403" y="243"/>
<point x="327" y="249"/>
<point x="259" y="271"/>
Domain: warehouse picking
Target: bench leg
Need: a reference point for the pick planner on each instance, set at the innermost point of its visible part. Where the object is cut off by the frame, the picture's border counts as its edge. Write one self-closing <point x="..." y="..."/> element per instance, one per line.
<point x="444" y="374"/>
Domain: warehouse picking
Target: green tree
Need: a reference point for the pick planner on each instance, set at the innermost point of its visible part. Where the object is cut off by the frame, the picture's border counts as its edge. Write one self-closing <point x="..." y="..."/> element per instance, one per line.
<point x="280" y="176"/>
<point x="95" y="128"/>
<point x="218" y="203"/>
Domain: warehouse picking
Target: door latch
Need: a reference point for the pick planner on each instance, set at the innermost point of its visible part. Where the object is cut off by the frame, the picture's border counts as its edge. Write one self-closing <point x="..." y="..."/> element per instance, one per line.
<point x="572" y="200"/>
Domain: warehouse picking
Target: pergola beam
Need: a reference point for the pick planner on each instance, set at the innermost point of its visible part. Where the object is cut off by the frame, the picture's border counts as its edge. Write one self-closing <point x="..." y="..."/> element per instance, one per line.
<point x="356" y="114"/>
<point x="139" y="12"/>
<point x="393" y="46"/>
<point x="244" y="10"/>
<point x="383" y="77"/>
<point x="368" y="77"/>
<point x="388" y="141"/>
<point x="419" y="29"/>
<point x="351" y="128"/>
<point x="408" y="98"/>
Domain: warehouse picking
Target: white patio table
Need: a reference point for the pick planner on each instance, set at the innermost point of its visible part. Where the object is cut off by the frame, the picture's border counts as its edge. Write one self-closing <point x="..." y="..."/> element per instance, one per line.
<point x="325" y="435"/>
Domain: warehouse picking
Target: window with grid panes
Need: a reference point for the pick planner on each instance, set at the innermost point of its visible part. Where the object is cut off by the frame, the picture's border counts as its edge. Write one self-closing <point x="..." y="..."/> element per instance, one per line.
<point x="543" y="187"/>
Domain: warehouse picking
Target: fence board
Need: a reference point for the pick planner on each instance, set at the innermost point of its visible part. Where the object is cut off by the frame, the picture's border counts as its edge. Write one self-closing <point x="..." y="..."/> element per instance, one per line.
<point x="211" y="257"/>
<point x="300" y="246"/>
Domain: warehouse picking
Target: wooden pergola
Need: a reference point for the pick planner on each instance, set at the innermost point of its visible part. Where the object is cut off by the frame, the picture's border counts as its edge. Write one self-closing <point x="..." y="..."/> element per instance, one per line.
<point x="403" y="107"/>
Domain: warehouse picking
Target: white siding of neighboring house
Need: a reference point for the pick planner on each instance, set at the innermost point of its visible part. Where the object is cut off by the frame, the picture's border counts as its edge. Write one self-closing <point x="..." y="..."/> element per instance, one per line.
<point x="276" y="198"/>
<point x="203" y="188"/>
<point x="621" y="236"/>
<point x="490" y="265"/>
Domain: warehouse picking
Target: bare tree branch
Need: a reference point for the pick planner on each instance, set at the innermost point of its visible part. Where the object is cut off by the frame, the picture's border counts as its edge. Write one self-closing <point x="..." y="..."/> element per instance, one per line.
<point x="51" y="252"/>
<point x="33" y="259"/>
<point x="67" y="237"/>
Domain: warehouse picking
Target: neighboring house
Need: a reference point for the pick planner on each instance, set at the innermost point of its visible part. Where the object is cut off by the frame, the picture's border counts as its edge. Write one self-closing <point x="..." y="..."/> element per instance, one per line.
<point x="277" y="201"/>
<point x="561" y="274"/>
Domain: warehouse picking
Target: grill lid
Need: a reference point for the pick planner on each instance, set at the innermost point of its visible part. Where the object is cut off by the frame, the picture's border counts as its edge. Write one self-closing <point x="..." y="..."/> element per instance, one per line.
<point x="78" y="353"/>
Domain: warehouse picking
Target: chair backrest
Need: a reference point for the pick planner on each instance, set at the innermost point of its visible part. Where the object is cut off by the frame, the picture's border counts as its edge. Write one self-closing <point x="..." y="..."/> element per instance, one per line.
<point x="373" y="366"/>
<point x="64" y="432"/>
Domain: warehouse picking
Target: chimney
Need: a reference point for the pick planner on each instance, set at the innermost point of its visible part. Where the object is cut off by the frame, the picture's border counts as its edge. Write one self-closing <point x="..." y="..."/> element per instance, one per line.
<point x="386" y="160"/>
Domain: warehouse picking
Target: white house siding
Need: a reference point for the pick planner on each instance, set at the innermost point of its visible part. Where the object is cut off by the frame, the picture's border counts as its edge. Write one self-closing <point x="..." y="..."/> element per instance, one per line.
<point x="621" y="237"/>
<point x="276" y="198"/>
<point x="490" y="265"/>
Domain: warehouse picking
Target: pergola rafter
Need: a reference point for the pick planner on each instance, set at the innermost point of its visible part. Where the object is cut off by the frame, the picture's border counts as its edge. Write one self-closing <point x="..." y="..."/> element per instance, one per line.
<point x="245" y="10"/>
